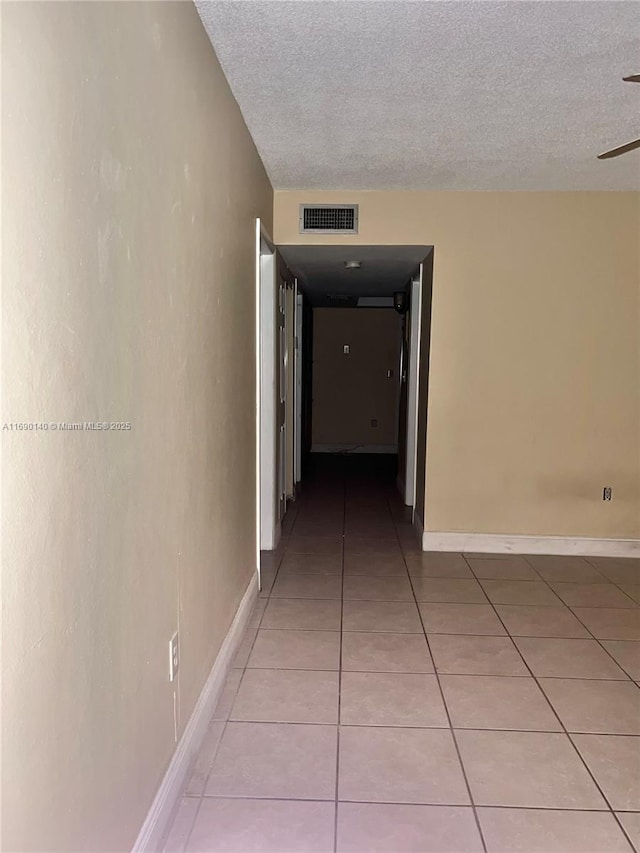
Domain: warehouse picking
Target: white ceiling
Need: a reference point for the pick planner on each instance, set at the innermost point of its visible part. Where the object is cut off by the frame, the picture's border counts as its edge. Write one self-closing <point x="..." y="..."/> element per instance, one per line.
<point x="459" y="95"/>
<point x="321" y="270"/>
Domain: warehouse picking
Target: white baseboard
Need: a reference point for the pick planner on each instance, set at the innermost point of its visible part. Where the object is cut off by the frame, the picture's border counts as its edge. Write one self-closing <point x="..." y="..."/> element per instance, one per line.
<point x="160" y="814"/>
<point x="354" y="448"/>
<point x="492" y="543"/>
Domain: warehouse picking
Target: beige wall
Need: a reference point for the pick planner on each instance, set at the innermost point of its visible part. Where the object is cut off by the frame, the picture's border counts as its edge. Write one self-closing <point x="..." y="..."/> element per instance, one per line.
<point x="349" y="391"/>
<point x="130" y="187"/>
<point x="534" y="391"/>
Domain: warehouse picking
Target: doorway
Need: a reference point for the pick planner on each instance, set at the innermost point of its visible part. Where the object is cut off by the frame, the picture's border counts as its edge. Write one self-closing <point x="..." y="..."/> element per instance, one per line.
<point x="276" y="306"/>
<point x="359" y="363"/>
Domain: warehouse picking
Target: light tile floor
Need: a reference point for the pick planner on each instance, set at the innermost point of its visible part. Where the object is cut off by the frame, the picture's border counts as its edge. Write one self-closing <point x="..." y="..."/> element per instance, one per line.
<point x="390" y="700"/>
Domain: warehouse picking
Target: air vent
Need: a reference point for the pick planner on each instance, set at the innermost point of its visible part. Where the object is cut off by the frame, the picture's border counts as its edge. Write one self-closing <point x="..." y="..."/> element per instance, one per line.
<point x="328" y="218"/>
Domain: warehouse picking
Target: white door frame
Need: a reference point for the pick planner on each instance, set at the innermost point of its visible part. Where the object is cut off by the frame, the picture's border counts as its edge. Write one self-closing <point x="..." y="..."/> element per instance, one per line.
<point x="267" y="523"/>
<point x="297" y="428"/>
<point x="413" y="379"/>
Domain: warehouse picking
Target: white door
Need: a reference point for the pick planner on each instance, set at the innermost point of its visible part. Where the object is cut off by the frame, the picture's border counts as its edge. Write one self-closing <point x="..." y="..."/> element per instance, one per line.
<point x="283" y="359"/>
<point x="412" y="389"/>
<point x="297" y="435"/>
<point x="266" y="393"/>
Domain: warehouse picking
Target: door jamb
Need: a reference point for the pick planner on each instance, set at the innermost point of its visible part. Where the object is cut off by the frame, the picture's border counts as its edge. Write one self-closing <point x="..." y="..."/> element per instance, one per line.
<point x="413" y="385"/>
<point x="265" y="373"/>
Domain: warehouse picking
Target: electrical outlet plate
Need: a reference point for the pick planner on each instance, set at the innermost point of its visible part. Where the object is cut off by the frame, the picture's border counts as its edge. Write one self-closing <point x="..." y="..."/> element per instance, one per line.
<point x="174" y="656"/>
<point x="607" y="493"/>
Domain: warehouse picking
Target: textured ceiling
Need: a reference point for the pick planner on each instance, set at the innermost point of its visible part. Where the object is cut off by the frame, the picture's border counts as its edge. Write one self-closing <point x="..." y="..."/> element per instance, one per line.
<point x="459" y="95"/>
<point x="321" y="270"/>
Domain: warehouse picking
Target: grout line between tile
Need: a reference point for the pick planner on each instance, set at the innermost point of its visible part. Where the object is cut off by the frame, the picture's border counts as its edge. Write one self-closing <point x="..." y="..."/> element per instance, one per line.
<point x="337" y="789"/>
<point x="563" y="727"/>
<point x="451" y="729"/>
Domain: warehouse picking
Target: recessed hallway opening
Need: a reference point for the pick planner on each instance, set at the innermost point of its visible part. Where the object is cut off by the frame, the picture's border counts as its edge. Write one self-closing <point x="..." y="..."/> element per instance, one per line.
<point x="386" y="699"/>
<point x="363" y="316"/>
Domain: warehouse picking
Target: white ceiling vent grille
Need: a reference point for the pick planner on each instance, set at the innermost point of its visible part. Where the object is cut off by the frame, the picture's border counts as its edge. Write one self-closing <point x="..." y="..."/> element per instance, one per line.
<point x="328" y="218"/>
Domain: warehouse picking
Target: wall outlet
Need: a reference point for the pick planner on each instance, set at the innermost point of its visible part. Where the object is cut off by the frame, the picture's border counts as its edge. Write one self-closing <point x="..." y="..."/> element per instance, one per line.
<point x="374" y="422"/>
<point x="606" y="493"/>
<point x="346" y="349"/>
<point x="174" y="656"/>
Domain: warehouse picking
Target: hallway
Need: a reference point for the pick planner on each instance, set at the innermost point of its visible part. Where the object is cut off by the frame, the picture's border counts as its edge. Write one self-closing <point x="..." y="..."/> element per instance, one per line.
<point x="426" y="695"/>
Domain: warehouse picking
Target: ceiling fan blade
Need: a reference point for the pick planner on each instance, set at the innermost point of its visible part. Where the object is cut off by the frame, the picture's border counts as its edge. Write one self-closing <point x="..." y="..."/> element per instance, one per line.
<point x="632" y="78"/>
<point x="622" y="149"/>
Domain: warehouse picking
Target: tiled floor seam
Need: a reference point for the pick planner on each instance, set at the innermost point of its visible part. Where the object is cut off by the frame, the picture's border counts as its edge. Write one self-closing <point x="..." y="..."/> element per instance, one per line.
<point x="446" y="707"/>
<point x="337" y="788"/>
<point x="592" y="635"/>
<point x="563" y="727"/>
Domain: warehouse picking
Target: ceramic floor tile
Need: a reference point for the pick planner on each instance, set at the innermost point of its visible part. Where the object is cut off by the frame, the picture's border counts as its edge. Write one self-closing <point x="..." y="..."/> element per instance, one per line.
<point x="496" y="702"/>
<point x="358" y="513"/>
<point x="632" y="590"/>
<point x="263" y="826"/>
<point x="363" y="588"/>
<point x="391" y="699"/>
<point x="468" y="655"/>
<point x="204" y="759"/>
<point x="287" y="696"/>
<point x="228" y="695"/>
<point x="592" y="595"/>
<point x="533" y="621"/>
<point x="623" y="574"/>
<point x="618" y="569"/>
<point x="631" y="823"/>
<point x="388" y="547"/>
<point x="314" y="544"/>
<point x="267" y="579"/>
<point x="595" y="707"/>
<point x="311" y="564"/>
<point x="378" y="652"/>
<point x="370" y="529"/>
<point x="300" y="613"/>
<point x="568" y="658"/>
<point x="526" y="769"/>
<point x="398" y="617"/>
<point x="284" y="761"/>
<point x="515" y="568"/>
<point x="540" y="831"/>
<point x="411" y="546"/>
<point x="627" y="654"/>
<point x="461" y="619"/>
<point x="307" y="586"/>
<point x="384" y="828"/>
<point x="615" y="764"/>
<point x="610" y="623"/>
<point x="433" y="564"/>
<point x="246" y="644"/>
<point x="178" y="835"/>
<point x="275" y="649"/>
<point x="400" y="765"/>
<point x="317" y="530"/>
<point x="452" y="590"/>
<point x="486" y="555"/>
<point x="565" y="569"/>
<point x="375" y="565"/>
<point x="520" y="592"/>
